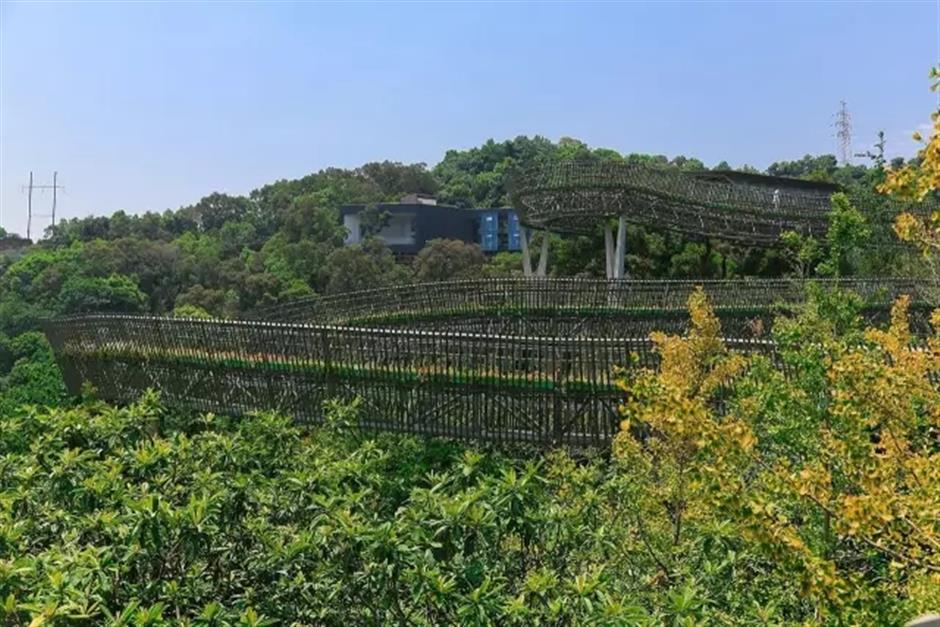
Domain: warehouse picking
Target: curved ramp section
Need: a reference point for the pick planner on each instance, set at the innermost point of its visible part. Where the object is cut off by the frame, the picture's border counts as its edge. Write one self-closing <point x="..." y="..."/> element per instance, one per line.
<point x="751" y="209"/>
<point x="553" y="386"/>
<point x="589" y="308"/>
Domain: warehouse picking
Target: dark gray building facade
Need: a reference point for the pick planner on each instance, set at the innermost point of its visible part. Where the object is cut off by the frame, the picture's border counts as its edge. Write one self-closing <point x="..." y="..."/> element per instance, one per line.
<point x="411" y="224"/>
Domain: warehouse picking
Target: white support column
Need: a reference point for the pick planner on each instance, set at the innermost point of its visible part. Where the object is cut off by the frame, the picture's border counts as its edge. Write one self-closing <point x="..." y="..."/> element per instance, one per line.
<point x="526" y="254"/>
<point x="609" y="251"/>
<point x="543" y="256"/>
<point x="621" y="251"/>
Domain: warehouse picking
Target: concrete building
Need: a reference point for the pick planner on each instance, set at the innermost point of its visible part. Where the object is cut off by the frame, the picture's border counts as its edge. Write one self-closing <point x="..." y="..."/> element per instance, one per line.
<point x="410" y="224"/>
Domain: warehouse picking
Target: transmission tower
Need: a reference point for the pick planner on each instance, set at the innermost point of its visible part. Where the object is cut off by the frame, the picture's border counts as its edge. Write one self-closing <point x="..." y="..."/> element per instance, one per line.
<point x="55" y="187"/>
<point x="843" y="126"/>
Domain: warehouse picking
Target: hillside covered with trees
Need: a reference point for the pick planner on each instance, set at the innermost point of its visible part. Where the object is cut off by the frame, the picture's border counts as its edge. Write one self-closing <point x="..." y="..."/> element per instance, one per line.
<point x="226" y="255"/>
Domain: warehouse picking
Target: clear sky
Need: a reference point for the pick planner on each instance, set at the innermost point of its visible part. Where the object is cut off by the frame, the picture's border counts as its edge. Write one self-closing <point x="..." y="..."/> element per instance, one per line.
<point x="152" y="106"/>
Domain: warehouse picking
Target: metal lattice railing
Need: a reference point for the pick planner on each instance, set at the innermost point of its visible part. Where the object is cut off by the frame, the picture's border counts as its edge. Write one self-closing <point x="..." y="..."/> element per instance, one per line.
<point x="598" y="307"/>
<point x="558" y="386"/>
<point x="500" y="388"/>
<point x="749" y="209"/>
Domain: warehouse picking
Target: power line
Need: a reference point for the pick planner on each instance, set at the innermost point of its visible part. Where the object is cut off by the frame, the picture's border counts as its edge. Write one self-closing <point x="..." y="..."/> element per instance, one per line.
<point x="55" y="187"/>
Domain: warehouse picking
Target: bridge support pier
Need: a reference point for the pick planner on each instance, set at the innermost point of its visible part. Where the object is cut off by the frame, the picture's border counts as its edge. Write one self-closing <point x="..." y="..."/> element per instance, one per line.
<point x="526" y="255"/>
<point x="615" y="255"/>
<point x="542" y="269"/>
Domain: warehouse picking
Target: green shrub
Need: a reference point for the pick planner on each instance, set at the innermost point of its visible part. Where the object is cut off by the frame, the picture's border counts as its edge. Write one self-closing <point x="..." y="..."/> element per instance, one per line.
<point x="34" y="378"/>
<point x="191" y="311"/>
<point x="30" y="345"/>
<point x="144" y="516"/>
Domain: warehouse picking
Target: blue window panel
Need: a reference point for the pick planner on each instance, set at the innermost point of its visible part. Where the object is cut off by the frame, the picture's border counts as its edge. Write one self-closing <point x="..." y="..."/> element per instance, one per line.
<point x="513" y="231"/>
<point x="489" y="231"/>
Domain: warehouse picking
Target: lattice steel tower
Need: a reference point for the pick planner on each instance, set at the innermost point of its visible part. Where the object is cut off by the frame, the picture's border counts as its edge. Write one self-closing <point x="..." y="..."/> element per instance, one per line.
<point x="843" y="126"/>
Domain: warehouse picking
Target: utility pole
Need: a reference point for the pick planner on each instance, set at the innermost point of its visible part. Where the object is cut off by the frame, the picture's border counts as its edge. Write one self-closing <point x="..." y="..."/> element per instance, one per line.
<point x="29" y="207"/>
<point x="55" y="187"/>
<point x="844" y="132"/>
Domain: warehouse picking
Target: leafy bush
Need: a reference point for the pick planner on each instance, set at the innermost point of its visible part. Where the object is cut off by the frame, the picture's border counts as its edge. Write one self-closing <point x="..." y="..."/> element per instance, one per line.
<point x="136" y="515"/>
<point x="18" y="316"/>
<point x="31" y="345"/>
<point x="363" y="266"/>
<point x="33" y="377"/>
<point x="191" y="311"/>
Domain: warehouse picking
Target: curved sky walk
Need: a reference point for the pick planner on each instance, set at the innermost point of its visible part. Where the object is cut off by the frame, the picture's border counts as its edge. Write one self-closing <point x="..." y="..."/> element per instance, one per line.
<point x="740" y="207"/>
<point x="513" y="361"/>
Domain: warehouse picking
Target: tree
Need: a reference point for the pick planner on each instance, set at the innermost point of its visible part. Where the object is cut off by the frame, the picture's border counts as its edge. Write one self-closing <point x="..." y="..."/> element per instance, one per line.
<point x="916" y="182"/>
<point x="212" y="301"/>
<point x="359" y="267"/>
<point x="191" y="311"/>
<point x="445" y="259"/>
<point x="18" y="315"/>
<point x="802" y="252"/>
<point x="396" y="179"/>
<point x="372" y="220"/>
<point x="503" y="264"/>
<point x="477" y="177"/>
<point x="154" y="266"/>
<point x="213" y="211"/>
<point x="696" y="259"/>
<point x="7" y="356"/>
<point x="830" y="470"/>
<point x="117" y="293"/>
<point x="846" y="248"/>
<point x="846" y="238"/>
<point x="822" y="167"/>
<point x="236" y="236"/>
<point x="307" y="218"/>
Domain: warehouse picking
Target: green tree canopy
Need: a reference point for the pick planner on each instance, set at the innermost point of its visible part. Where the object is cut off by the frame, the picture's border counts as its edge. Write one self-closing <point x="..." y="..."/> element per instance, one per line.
<point x="444" y="259"/>
<point x="116" y="293"/>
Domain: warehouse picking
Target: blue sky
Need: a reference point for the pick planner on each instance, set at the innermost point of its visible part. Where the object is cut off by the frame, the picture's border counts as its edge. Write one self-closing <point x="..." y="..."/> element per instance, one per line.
<point x="152" y="106"/>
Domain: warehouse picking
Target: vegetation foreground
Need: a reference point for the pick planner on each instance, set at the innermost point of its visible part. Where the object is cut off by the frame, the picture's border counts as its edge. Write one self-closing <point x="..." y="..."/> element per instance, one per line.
<point x="810" y="498"/>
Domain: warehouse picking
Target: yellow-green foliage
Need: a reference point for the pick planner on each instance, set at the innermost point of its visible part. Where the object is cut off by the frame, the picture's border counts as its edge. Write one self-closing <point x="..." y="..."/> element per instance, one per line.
<point x="916" y="181"/>
<point x="832" y="472"/>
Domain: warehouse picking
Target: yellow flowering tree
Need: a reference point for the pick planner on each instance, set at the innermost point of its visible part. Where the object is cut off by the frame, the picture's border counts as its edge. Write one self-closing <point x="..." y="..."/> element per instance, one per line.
<point x="669" y="432"/>
<point x="831" y="471"/>
<point x="915" y="182"/>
